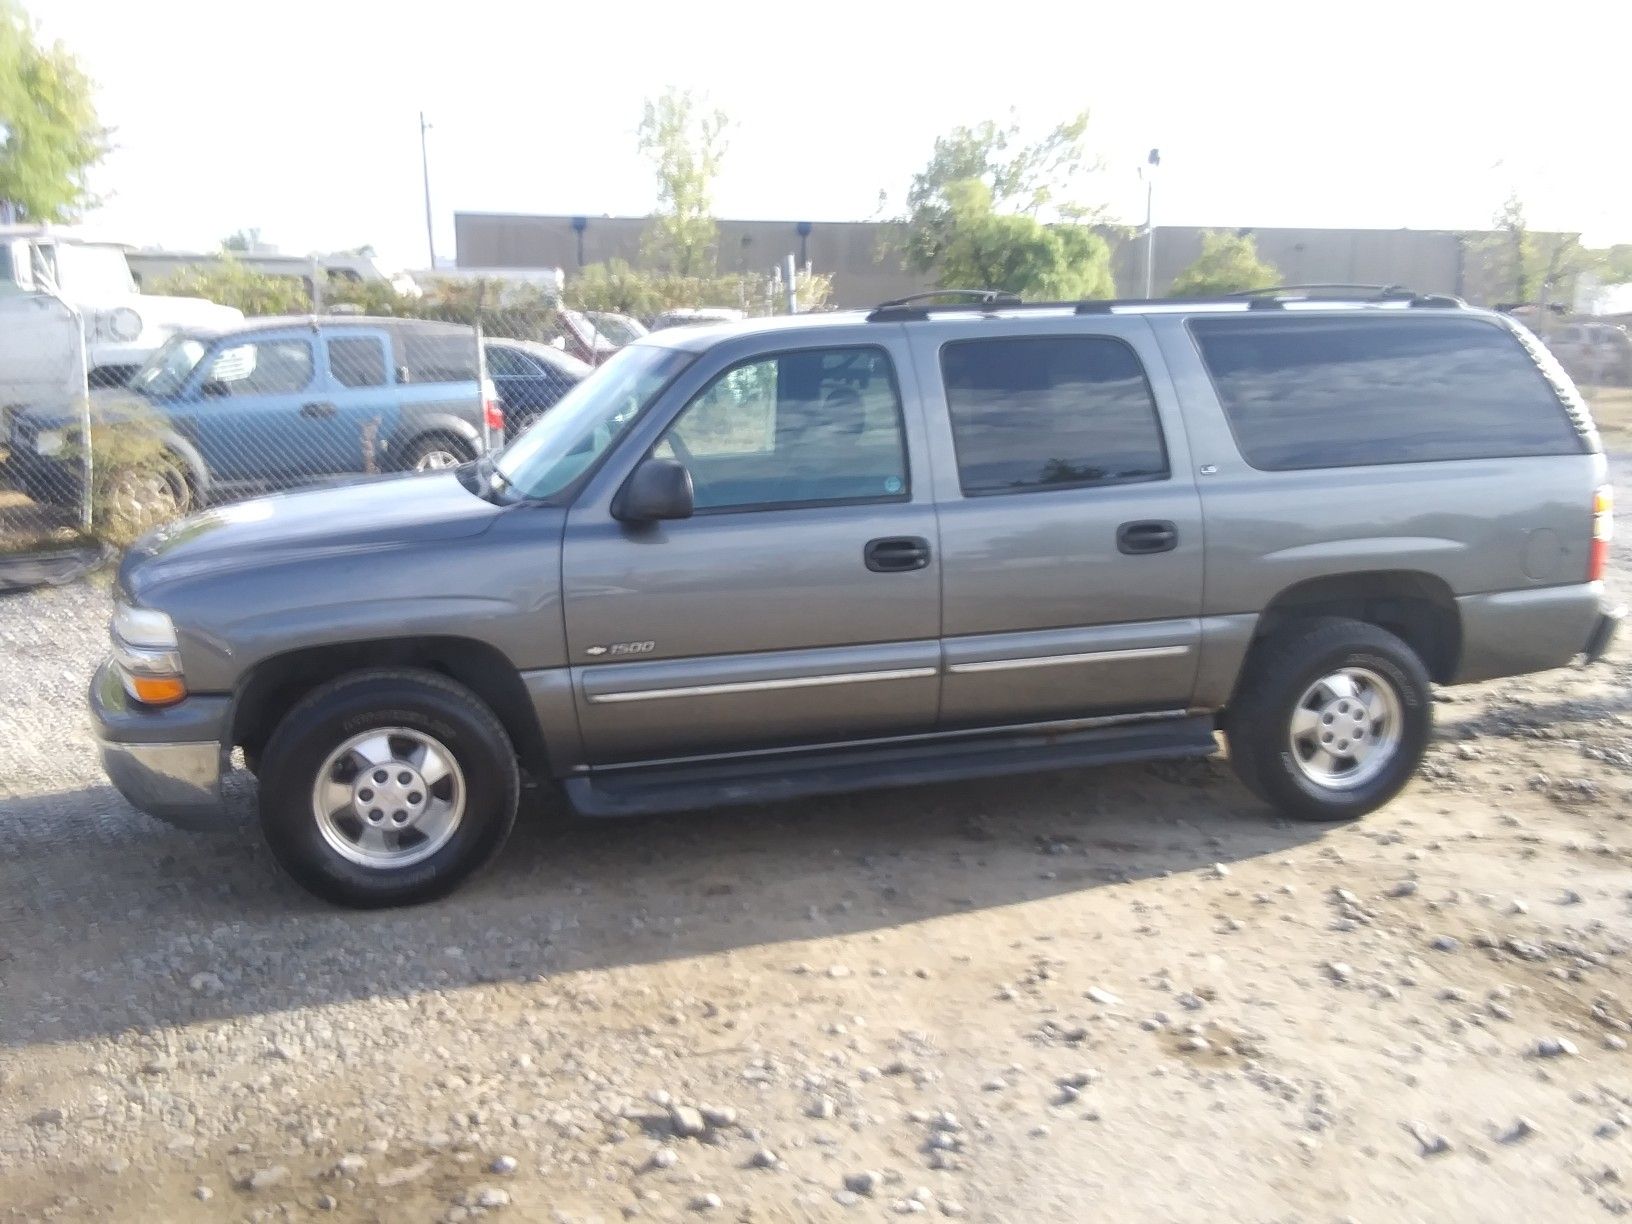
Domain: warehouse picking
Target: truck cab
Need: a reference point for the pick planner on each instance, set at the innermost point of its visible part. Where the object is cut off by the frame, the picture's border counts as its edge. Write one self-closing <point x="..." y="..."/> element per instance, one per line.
<point x="71" y="315"/>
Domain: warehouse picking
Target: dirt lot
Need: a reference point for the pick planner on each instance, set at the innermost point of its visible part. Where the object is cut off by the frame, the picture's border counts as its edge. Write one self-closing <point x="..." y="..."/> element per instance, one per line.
<point x="1124" y="994"/>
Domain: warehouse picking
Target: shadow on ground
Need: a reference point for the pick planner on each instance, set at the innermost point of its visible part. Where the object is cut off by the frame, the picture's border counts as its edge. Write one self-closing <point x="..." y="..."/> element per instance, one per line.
<point x="108" y="917"/>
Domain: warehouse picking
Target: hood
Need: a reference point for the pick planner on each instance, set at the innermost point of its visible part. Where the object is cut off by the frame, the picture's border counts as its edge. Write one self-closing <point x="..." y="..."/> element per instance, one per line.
<point x="169" y="314"/>
<point x="392" y="512"/>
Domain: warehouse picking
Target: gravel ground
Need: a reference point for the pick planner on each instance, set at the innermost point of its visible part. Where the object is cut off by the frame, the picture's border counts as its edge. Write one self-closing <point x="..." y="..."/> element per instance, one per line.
<point x="1128" y="993"/>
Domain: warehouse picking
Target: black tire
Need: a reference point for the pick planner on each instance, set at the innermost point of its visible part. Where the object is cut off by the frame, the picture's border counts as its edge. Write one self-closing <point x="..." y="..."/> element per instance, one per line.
<point x="437" y="444"/>
<point x="419" y="701"/>
<point x="1279" y="671"/>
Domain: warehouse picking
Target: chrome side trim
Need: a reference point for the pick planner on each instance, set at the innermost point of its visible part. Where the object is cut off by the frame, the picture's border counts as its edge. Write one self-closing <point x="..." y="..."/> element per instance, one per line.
<point x="1057" y="726"/>
<point x="1091" y="656"/>
<point x="762" y="686"/>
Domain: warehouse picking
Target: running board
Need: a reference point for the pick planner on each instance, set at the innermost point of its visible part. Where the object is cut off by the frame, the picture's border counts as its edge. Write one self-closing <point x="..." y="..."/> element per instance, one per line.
<point x="652" y="789"/>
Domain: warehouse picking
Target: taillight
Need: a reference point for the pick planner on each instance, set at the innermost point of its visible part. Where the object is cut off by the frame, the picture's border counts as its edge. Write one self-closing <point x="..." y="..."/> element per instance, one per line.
<point x="493" y="415"/>
<point x="1603" y="530"/>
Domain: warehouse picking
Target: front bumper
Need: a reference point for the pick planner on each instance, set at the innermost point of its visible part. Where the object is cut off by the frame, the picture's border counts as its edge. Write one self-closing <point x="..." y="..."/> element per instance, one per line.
<point x="167" y="762"/>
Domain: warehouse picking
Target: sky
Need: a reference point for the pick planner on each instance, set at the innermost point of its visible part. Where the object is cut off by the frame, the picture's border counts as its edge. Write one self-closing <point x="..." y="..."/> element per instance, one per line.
<point x="302" y="118"/>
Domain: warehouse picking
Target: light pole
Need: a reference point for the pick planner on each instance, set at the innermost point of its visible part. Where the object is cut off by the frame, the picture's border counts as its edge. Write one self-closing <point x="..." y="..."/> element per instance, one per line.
<point x="1148" y="173"/>
<point x="425" y="171"/>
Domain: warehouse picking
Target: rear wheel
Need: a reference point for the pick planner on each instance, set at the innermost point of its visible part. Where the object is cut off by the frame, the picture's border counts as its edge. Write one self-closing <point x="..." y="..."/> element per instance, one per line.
<point x="387" y="787"/>
<point x="438" y="451"/>
<point x="1331" y="719"/>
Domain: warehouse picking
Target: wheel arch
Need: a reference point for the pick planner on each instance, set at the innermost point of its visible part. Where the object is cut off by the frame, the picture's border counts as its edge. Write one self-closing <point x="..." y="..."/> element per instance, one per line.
<point x="276" y="684"/>
<point x="1417" y="607"/>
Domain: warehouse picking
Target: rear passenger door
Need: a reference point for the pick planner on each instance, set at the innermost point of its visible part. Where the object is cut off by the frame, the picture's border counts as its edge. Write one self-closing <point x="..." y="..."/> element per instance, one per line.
<point x="1071" y="532"/>
<point x="360" y="407"/>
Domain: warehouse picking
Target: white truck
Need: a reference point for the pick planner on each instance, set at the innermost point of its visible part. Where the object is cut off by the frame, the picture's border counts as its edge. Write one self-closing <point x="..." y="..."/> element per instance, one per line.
<point x="70" y="313"/>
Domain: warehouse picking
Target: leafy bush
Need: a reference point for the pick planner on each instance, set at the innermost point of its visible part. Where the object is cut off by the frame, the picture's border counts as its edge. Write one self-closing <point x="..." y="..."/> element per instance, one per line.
<point x="618" y="288"/>
<point x="136" y="483"/>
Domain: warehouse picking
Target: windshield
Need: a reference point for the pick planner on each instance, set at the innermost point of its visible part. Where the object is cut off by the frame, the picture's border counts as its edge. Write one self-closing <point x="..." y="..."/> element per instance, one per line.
<point x="166" y="371"/>
<point x="589" y="418"/>
<point x="93" y="273"/>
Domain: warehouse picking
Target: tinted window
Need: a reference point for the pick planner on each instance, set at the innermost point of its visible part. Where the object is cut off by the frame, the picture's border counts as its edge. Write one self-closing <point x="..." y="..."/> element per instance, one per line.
<point x="357" y="361"/>
<point x="261" y="367"/>
<point x="1048" y="412"/>
<point x="816" y="426"/>
<point x="1313" y="393"/>
<point x="508" y="363"/>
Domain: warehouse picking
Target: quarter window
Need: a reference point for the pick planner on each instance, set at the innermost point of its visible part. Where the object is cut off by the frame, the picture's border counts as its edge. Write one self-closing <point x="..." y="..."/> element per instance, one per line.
<point x="1318" y="393"/>
<point x="801" y="428"/>
<point x="1034" y="413"/>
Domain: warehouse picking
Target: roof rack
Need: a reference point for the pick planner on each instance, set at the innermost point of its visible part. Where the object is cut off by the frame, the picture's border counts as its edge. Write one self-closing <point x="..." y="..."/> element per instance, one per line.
<point x="921" y="306"/>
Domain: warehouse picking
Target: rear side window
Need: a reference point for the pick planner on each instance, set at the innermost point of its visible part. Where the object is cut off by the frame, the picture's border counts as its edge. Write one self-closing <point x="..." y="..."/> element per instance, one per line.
<point x="1050" y="412"/>
<point x="1318" y="393"/>
<point x="357" y="361"/>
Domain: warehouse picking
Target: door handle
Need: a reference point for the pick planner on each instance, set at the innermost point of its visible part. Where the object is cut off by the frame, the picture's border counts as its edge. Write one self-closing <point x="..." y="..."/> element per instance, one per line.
<point x="896" y="554"/>
<point x="317" y="411"/>
<point x="1147" y="536"/>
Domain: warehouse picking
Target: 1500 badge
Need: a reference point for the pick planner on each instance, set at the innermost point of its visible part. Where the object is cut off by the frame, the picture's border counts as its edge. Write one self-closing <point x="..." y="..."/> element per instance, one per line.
<point x="622" y="648"/>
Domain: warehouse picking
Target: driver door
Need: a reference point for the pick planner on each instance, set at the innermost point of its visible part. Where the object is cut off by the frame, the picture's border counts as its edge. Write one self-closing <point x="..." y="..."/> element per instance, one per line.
<point x="800" y="604"/>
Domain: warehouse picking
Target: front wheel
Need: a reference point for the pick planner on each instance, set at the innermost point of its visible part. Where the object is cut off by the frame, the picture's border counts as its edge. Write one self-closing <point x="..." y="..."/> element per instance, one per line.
<point x="387" y="787"/>
<point x="1331" y="720"/>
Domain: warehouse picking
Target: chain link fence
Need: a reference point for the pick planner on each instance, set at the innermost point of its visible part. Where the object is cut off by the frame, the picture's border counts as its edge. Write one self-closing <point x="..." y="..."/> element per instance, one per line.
<point x="109" y="426"/>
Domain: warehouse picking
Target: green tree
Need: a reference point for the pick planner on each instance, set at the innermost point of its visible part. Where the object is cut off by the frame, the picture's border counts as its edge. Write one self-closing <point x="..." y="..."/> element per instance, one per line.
<point x="1026" y="181"/>
<point x="989" y="250"/>
<point x="1228" y="263"/>
<point x="52" y="138"/>
<point x="975" y="214"/>
<point x="242" y="241"/>
<point x="1523" y="265"/>
<point x="686" y="144"/>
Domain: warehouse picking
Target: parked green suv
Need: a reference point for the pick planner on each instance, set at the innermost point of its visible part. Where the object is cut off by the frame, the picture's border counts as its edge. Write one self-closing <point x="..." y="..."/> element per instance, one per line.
<point x="750" y="562"/>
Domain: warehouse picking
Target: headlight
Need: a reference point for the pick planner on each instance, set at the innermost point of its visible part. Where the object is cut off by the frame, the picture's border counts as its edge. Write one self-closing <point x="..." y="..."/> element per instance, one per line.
<point x="50" y="441"/>
<point x="124" y="324"/>
<point x="145" y="655"/>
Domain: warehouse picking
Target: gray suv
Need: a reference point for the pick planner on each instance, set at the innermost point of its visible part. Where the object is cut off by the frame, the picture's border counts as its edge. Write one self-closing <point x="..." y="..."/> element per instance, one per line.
<point x="750" y="562"/>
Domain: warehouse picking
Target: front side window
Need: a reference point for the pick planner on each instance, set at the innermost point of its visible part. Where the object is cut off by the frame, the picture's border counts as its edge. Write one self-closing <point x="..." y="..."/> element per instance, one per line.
<point x="1034" y="413"/>
<point x="1319" y="393"/>
<point x="802" y="428"/>
<point x="260" y="367"/>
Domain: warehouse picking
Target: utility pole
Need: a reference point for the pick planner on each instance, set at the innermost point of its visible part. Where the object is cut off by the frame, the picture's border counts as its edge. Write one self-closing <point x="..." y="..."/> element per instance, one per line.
<point x="1149" y="173"/>
<point x="425" y="170"/>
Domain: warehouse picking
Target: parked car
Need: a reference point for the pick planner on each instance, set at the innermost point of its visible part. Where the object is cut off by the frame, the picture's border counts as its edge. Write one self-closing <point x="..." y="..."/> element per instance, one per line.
<point x="1599" y="354"/>
<point x="695" y="316"/>
<point x="742" y="564"/>
<point x="530" y="378"/>
<point x="279" y="402"/>
<point x="48" y="276"/>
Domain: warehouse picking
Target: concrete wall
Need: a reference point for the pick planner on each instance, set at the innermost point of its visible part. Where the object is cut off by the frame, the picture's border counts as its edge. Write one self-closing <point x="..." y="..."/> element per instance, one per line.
<point x="852" y="251"/>
<point x="862" y="256"/>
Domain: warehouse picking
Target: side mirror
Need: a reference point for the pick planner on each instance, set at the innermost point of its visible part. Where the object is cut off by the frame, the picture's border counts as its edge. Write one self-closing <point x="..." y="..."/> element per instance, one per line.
<point x="657" y="489"/>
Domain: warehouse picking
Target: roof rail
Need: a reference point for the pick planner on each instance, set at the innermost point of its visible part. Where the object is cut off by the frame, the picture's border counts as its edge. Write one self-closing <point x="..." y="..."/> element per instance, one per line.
<point x="908" y="308"/>
<point x="1373" y="292"/>
<point x="919" y="306"/>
